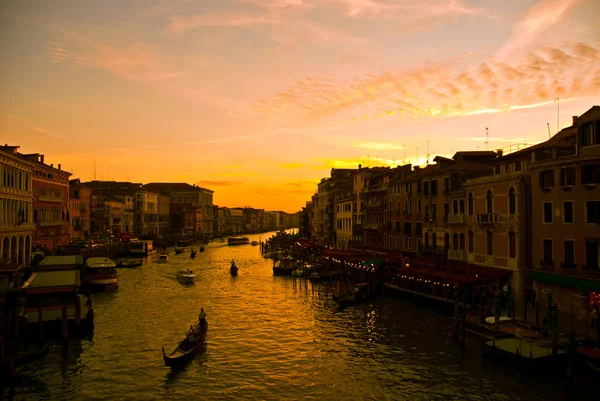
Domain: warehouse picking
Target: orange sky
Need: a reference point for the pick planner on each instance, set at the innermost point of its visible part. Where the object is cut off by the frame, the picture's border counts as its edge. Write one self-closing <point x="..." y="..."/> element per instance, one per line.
<point x="258" y="99"/>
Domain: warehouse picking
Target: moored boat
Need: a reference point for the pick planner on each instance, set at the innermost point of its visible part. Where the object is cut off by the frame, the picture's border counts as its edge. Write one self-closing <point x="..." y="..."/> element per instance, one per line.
<point x="179" y="250"/>
<point x="164" y="258"/>
<point x="186" y="276"/>
<point x="254" y="243"/>
<point x="237" y="240"/>
<point x="129" y="262"/>
<point x="100" y="274"/>
<point x="194" y="341"/>
<point x="285" y="266"/>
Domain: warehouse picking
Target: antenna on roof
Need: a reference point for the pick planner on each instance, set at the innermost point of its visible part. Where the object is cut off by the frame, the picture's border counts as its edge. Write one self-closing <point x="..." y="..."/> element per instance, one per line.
<point x="557" y="114"/>
<point x="428" y="151"/>
<point x="404" y="160"/>
<point x="549" y="135"/>
<point x="487" y="138"/>
<point x="94" y="169"/>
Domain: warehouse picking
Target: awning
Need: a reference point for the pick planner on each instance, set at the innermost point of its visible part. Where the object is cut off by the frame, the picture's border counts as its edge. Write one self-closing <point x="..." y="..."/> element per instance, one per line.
<point x="550" y="278"/>
<point x="588" y="285"/>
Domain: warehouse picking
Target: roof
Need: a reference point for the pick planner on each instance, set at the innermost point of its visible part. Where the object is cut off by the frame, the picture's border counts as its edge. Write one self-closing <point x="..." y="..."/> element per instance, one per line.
<point x="53" y="279"/>
<point x="54" y="261"/>
<point x="168" y="187"/>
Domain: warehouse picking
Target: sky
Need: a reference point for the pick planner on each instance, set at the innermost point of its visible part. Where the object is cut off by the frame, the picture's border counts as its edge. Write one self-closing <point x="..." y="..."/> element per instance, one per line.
<point x="259" y="99"/>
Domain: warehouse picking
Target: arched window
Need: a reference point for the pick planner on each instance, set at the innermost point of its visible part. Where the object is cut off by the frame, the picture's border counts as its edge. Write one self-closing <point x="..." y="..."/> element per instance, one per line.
<point x="471" y="204"/>
<point x="398" y="211"/>
<point x="455" y="207"/>
<point x="462" y="242"/>
<point x="434" y="239"/>
<point x="426" y="238"/>
<point x="489" y="202"/>
<point x="512" y="201"/>
<point x="446" y="241"/>
<point x="385" y="217"/>
<point x="455" y="241"/>
<point x="462" y="206"/>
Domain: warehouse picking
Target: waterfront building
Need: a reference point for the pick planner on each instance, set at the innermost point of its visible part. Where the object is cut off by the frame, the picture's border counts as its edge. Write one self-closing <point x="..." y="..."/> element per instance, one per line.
<point x="305" y="223"/>
<point x="206" y="203"/>
<point x="50" y="203"/>
<point x="344" y="204"/>
<point x="236" y="222"/>
<point x="16" y="207"/>
<point x="565" y="185"/>
<point x="323" y="212"/>
<point x="115" y="216"/>
<point x="79" y="210"/>
<point x="400" y="207"/>
<point x="223" y="220"/>
<point x="164" y="215"/>
<point x="146" y="213"/>
<point x="375" y="210"/>
<point x="98" y="215"/>
<point x="253" y="219"/>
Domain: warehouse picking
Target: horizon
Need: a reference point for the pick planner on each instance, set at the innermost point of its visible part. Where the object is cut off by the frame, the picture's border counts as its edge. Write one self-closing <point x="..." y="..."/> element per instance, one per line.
<point x="261" y="98"/>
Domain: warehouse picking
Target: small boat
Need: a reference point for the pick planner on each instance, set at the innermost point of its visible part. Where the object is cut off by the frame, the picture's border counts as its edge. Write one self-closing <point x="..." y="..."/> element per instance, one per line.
<point x="179" y="250"/>
<point x="285" y="267"/>
<point x="164" y="258"/>
<point x="201" y="249"/>
<point x="129" y="262"/>
<point x="237" y="240"/>
<point x="186" y="276"/>
<point x="254" y="243"/>
<point x="233" y="270"/>
<point x="186" y="351"/>
<point x="193" y="254"/>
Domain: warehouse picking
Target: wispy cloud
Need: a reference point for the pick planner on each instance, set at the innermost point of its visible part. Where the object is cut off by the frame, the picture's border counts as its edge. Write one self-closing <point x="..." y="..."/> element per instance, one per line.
<point x="496" y="85"/>
<point x="538" y="19"/>
<point x="430" y="8"/>
<point x="45" y="132"/>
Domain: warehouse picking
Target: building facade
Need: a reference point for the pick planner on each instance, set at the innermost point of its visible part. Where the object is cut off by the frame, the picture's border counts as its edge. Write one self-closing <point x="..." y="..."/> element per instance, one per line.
<point x="80" y="198"/>
<point x="146" y="213"/>
<point x="16" y="211"/>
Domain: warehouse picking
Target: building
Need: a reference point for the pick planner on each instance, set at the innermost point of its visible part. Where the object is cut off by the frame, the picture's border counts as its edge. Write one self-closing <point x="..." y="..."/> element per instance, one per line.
<point x="164" y="215"/>
<point x="344" y="204"/>
<point x="323" y="212"/>
<point x="565" y="193"/>
<point x="146" y="213"/>
<point x="375" y="210"/>
<point x="115" y="216"/>
<point x="16" y="207"/>
<point x="50" y="203"/>
<point x="236" y="222"/>
<point x="253" y="220"/>
<point x="80" y="198"/>
<point x="208" y="211"/>
<point x="305" y="224"/>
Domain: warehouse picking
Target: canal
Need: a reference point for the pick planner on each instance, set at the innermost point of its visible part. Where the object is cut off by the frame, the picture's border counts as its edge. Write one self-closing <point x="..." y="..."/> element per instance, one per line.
<point x="270" y="338"/>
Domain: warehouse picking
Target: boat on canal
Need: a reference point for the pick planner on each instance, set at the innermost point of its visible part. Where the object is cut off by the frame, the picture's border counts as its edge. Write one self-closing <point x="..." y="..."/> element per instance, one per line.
<point x="254" y="243"/>
<point x="164" y="258"/>
<point x="141" y="248"/>
<point x="186" y="276"/>
<point x="237" y="240"/>
<point x="100" y="274"/>
<point x="233" y="270"/>
<point x="285" y="266"/>
<point x="194" y="342"/>
<point x="179" y="250"/>
<point x="130" y="262"/>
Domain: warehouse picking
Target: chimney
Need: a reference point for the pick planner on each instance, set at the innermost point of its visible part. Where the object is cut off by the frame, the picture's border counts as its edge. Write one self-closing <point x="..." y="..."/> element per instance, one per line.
<point x="359" y="166"/>
<point x="41" y="158"/>
<point x="51" y="165"/>
<point x="499" y="152"/>
<point x="574" y="120"/>
<point x="59" y="166"/>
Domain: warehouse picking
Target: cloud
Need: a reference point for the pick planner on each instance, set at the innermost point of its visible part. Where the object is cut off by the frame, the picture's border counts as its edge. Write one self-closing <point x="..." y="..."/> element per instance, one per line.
<point x="45" y="132"/>
<point x="301" y="184"/>
<point x="539" y="18"/>
<point x="373" y="8"/>
<point x="291" y="165"/>
<point x="532" y="79"/>
<point x="218" y="183"/>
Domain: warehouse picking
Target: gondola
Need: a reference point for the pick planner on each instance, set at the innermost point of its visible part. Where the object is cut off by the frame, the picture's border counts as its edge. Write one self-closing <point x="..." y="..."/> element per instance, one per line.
<point x="184" y="352"/>
<point x="233" y="270"/>
<point x="179" y="250"/>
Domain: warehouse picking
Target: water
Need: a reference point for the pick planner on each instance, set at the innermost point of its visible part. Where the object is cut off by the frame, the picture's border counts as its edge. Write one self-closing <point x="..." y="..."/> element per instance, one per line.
<point x="270" y="338"/>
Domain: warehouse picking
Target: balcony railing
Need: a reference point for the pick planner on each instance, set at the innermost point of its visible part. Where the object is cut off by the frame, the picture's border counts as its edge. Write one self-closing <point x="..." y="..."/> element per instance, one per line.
<point x="547" y="264"/>
<point x="487" y="218"/>
<point x="571" y="266"/>
<point x="457" y="219"/>
<point x="457" y="255"/>
<point x="45" y="198"/>
<point x="4" y="227"/>
<point x="433" y="249"/>
<point x="53" y="223"/>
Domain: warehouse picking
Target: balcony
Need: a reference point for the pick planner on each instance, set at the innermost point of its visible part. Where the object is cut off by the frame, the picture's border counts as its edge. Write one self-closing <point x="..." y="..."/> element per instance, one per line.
<point x="569" y="266"/>
<point x="372" y="226"/>
<point x="547" y="264"/>
<point x="53" y="223"/>
<point x="44" y="198"/>
<point x="457" y="219"/>
<point x="433" y="249"/>
<point x="487" y="218"/>
<point x="9" y="227"/>
<point x="457" y="255"/>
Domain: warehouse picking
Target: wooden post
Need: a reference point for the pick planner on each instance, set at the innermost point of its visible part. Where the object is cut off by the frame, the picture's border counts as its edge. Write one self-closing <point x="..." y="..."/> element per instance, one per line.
<point x="65" y="323"/>
<point x="456" y="312"/>
<point x="77" y="311"/>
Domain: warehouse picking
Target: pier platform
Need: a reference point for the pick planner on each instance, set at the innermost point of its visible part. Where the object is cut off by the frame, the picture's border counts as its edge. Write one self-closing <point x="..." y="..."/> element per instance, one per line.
<point x="525" y="354"/>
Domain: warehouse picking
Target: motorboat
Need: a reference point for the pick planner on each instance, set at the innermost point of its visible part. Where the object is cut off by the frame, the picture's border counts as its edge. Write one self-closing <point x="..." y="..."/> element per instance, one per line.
<point x="237" y="240"/>
<point x="254" y="243"/>
<point x="164" y="258"/>
<point x="100" y="274"/>
<point x="186" y="276"/>
<point x="129" y="262"/>
<point x="179" y="250"/>
<point x="285" y="266"/>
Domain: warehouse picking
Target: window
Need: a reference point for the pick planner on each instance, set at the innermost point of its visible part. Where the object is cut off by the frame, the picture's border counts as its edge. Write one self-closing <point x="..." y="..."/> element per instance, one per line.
<point x="434" y="187"/>
<point x="490" y="243"/>
<point x="461" y="206"/>
<point x="446" y="241"/>
<point x="567" y="176"/>
<point x="590" y="174"/>
<point x="512" y="201"/>
<point x="568" y="212"/>
<point x="434" y="212"/>
<point x="512" y="245"/>
<point x="419" y="229"/>
<point x="455" y="207"/>
<point x="489" y="202"/>
<point x="592" y="249"/>
<point x="408" y="187"/>
<point x="446" y="210"/>
<point x="455" y="241"/>
<point x="518" y="165"/>
<point x="547" y="212"/>
<point x="419" y="206"/>
<point x="470" y="204"/>
<point x="546" y="179"/>
<point x="426" y="212"/>
<point x="461" y="242"/>
<point x="410" y="206"/>
<point x="569" y="254"/>
<point x="426" y="188"/>
<point x="589" y="136"/>
<point x="547" y="252"/>
<point x="592" y="209"/>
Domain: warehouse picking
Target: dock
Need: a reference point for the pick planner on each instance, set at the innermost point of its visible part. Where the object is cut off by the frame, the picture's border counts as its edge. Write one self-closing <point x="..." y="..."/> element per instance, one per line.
<point x="525" y="354"/>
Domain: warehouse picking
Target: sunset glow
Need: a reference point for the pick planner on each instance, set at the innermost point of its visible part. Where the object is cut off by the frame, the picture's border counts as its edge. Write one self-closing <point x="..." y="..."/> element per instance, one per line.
<point x="259" y="99"/>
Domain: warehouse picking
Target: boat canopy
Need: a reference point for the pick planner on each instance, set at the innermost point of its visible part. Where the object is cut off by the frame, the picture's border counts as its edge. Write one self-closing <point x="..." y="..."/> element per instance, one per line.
<point x="53" y="279"/>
